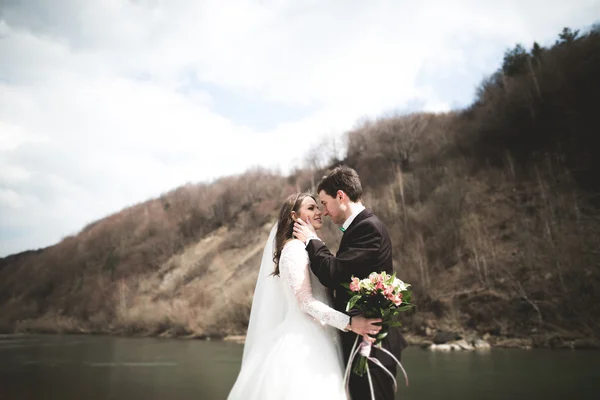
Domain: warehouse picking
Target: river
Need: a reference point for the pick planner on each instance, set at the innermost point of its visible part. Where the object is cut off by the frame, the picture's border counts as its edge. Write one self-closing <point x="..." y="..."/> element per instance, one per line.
<point x="104" y="367"/>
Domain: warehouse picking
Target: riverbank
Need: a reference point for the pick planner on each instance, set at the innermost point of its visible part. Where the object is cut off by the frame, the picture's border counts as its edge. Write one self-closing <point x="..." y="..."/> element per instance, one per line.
<point x="440" y="341"/>
<point x="432" y="339"/>
<point x="474" y="342"/>
<point x="470" y="342"/>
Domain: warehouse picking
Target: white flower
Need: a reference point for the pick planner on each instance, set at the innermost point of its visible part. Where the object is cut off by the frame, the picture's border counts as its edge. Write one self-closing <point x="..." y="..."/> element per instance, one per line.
<point x="366" y="283"/>
<point x="401" y="285"/>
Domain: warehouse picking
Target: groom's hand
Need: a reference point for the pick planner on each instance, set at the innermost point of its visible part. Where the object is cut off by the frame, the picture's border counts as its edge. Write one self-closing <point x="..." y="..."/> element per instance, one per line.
<point x="303" y="230"/>
<point x="366" y="326"/>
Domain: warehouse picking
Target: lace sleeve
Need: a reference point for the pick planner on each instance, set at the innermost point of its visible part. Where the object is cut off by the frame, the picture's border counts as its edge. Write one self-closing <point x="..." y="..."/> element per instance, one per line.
<point x="293" y="266"/>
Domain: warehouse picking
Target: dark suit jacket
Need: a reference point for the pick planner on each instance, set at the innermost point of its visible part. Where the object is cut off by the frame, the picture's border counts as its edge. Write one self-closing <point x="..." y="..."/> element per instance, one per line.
<point x="365" y="247"/>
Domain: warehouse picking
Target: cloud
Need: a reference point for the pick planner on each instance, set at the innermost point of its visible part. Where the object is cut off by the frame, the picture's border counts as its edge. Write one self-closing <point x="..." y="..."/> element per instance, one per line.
<point x="107" y="103"/>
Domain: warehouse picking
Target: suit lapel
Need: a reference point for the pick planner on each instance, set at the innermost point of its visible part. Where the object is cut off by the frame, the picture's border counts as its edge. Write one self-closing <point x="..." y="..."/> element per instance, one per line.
<point x="361" y="216"/>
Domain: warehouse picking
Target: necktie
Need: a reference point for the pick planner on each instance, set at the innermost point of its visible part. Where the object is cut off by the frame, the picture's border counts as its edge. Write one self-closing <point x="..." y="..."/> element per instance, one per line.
<point x="342" y="229"/>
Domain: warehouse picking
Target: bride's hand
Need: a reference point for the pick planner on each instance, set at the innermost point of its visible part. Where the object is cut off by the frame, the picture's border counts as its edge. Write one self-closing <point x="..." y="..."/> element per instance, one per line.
<point x="302" y="230"/>
<point x="366" y="327"/>
<point x="369" y="339"/>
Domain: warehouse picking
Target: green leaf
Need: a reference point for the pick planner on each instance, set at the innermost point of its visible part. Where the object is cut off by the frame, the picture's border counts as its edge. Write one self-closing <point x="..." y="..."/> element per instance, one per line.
<point x="392" y="324"/>
<point x="382" y="335"/>
<point x="353" y="301"/>
<point x="346" y="285"/>
<point x="393" y="278"/>
<point x="385" y="314"/>
<point x="406" y="307"/>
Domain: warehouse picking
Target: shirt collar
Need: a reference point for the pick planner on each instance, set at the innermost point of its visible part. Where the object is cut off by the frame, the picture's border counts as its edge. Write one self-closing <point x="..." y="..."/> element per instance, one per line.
<point x="356" y="209"/>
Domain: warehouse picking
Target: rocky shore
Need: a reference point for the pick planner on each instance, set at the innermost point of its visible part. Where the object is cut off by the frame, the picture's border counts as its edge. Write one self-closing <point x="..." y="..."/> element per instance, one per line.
<point x="451" y="341"/>
<point x="426" y="334"/>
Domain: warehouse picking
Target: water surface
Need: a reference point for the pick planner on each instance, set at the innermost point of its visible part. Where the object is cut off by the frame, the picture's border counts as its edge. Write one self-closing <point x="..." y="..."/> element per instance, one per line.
<point x="103" y="367"/>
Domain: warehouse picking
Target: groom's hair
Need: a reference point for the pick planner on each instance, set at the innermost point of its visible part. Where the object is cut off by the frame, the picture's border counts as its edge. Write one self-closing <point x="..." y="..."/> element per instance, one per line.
<point x="342" y="178"/>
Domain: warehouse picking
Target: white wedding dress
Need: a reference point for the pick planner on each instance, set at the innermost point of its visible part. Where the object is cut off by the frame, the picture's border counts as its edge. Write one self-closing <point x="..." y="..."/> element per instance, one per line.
<point x="296" y="353"/>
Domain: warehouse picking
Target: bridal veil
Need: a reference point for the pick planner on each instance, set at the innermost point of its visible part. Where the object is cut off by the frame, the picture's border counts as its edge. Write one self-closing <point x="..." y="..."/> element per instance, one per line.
<point x="268" y="303"/>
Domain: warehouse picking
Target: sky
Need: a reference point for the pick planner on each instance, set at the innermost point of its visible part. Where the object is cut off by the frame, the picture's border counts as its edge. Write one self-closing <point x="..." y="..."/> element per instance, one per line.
<point x="108" y="103"/>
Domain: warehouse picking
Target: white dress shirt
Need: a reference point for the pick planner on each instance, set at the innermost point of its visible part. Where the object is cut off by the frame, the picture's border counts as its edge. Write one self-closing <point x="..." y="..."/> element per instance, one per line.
<point x="356" y="209"/>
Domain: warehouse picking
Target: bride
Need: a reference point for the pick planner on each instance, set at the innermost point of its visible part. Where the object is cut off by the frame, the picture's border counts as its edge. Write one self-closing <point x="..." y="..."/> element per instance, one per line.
<point x="292" y="349"/>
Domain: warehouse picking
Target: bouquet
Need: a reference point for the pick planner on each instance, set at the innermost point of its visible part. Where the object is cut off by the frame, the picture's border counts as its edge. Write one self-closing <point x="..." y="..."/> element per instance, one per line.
<point x="378" y="296"/>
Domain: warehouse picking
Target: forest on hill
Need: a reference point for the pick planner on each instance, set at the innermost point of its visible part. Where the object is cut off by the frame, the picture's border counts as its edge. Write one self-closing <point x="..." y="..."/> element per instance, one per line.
<point x="494" y="213"/>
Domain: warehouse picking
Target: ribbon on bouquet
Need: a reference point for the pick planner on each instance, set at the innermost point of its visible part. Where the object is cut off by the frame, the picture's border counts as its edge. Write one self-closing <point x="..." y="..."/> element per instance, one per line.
<point x="365" y="350"/>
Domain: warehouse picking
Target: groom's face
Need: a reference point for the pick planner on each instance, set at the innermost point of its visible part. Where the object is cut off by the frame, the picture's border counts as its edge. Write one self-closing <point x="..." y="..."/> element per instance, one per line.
<point x="331" y="207"/>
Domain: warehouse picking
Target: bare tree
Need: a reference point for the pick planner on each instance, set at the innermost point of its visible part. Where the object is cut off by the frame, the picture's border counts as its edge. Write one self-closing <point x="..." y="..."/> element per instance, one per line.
<point x="328" y="150"/>
<point x="412" y="126"/>
<point x="398" y="137"/>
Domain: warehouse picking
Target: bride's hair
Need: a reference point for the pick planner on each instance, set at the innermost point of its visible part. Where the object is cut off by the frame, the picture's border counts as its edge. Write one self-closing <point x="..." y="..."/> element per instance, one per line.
<point x="285" y="224"/>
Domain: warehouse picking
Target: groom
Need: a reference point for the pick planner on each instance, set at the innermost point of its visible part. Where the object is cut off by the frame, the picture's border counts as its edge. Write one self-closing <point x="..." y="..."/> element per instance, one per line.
<point x="365" y="247"/>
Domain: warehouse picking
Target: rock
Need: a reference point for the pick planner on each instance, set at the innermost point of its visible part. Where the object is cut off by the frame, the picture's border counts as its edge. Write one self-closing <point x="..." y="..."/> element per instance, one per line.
<point x="428" y="331"/>
<point x="416" y="340"/>
<point x="426" y="344"/>
<point x="586" y="344"/>
<point x="440" y="347"/>
<point x="480" y="344"/>
<point x="464" y="345"/>
<point x="552" y="340"/>
<point x="513" y="343"/>
<point x="557" y="342"/>
<point x="455" y="347"/>
<point x="241" y="339"/>
<point x="444" y="337"/>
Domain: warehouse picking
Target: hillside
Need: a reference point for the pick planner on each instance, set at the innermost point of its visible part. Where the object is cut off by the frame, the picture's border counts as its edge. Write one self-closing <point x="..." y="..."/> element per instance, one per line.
<point x="493" y="211"/>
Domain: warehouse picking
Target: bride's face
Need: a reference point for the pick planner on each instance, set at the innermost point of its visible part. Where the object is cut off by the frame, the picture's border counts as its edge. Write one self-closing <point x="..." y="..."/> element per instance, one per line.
<point x="310" y="209"/>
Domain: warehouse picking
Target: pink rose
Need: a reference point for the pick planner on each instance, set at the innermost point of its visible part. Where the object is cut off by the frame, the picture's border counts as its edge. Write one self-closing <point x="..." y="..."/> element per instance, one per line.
<point x="355" y="285"/>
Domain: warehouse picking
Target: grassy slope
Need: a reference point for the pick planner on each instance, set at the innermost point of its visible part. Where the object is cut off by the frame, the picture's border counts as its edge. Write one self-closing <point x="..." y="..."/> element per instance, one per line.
<point x="493" y="212"/>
